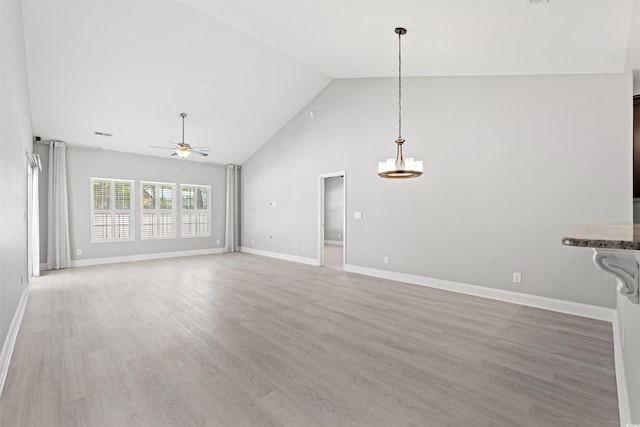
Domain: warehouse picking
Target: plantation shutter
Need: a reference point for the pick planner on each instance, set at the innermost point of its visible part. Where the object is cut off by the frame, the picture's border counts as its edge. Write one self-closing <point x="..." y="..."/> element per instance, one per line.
<point x="111" y="210"/>
<point x="102" y="215"/>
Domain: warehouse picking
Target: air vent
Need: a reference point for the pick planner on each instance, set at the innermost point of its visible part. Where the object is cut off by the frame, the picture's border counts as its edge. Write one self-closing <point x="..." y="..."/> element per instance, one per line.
<point x="538" y="1"/>
<point x="103" y="134"/>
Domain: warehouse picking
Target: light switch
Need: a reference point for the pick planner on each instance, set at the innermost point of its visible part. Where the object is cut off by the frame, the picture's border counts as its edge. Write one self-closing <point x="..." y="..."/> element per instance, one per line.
<point x="357" y="215"/>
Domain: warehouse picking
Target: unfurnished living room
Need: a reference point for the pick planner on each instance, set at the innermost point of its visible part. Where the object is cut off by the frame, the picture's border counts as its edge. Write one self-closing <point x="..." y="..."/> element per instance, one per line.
<point x="320" y="213"/>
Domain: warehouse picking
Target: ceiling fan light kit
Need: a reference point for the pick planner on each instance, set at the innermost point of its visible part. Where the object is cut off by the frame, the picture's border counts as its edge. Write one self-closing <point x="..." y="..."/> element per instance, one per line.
<point x="400" y="167"/>
<point x="183" y="150"/>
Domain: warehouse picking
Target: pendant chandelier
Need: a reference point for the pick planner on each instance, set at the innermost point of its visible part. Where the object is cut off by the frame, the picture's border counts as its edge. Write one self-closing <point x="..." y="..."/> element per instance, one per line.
<point x="400" y="167"/>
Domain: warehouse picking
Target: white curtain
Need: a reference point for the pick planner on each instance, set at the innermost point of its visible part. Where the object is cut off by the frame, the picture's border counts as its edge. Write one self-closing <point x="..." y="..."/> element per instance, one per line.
<point x="58" y="249"/>
<point x="232" y="218"/>
<point x="34" y="243"/>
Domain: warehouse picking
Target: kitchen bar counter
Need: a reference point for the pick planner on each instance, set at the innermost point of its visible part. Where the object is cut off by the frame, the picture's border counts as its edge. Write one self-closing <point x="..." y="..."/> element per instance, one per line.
<point x="616" y="250"/>
<point x="612" y="236"/>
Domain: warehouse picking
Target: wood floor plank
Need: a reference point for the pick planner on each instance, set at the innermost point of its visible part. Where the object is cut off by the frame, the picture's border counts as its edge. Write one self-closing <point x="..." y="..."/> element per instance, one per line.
<point x="243" y="340"/>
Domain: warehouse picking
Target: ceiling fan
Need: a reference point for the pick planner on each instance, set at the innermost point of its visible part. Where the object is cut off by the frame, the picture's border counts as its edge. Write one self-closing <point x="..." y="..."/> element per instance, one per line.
<point x="182" y="149"/>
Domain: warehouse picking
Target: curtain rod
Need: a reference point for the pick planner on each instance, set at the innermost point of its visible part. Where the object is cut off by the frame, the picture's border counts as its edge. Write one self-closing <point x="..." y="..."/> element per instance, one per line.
<point x="38" y="140"/>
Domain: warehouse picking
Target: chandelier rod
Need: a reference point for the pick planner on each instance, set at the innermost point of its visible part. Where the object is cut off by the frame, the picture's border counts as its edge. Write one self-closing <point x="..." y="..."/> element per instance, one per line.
<point x="399" y="84"/>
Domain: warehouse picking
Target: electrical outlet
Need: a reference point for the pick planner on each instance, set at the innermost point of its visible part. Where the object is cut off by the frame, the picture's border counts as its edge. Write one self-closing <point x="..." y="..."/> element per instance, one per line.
<point x="78" y="251"/>
<point x="218" y="241"/>
<point x="339" y="236"/>
<point x="357" y="215"/>
<point x="386" y="260"/>
<point x="304" y="248"/>
<point x="517" y="278"/>
<point x="253" y="242"/>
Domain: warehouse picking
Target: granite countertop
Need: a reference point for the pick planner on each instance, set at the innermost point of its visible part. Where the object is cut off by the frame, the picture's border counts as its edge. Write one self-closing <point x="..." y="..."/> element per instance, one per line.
<point x="611" y="236"/>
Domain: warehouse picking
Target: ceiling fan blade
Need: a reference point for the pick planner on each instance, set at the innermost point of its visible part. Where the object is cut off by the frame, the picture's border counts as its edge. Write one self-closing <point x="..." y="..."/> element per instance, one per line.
<point x="164" y="148"/>
<point x="174" y="154"/>
<point x="199" y="153"/>
<point x="205" y="149"/>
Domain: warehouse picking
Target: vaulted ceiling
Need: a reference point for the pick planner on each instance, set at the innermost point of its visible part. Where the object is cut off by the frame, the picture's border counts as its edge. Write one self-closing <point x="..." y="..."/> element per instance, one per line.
<point x="242" y="69"/>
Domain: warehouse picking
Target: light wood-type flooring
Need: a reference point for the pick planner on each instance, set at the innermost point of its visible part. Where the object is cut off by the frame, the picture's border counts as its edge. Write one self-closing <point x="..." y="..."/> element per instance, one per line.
<point x="333" y="257"/>
<point x="243" y="340"/>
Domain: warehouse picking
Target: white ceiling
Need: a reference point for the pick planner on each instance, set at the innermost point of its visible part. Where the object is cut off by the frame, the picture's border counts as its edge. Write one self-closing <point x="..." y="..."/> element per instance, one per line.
<point x="243" y="69"/>
<point x="446" y="37"/>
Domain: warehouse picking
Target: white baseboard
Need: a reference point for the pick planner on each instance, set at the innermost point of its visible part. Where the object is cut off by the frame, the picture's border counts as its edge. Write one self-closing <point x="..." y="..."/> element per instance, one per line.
<point x="286" y="257"/>
<point x="143" y="257"/>
<point x="621" y="378"/>
<point x="10" y="340"/>
<point x="569" y="307"/>
<point x="333" y="242"/>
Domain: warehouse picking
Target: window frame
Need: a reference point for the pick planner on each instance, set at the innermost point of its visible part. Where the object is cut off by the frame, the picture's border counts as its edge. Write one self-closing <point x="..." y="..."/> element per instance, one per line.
<point x="158" y="211"/>
<point x="197" y="212"/>
<point x="113" y="210"/>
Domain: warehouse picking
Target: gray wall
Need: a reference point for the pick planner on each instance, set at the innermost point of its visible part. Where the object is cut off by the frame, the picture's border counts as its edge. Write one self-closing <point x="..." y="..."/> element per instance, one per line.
<point x="511" y="165"/>
<point x="83" y="163"/>
<point x="629" y="324"/>
<point x="15" y="141"/>
<point x="333" y="208"/>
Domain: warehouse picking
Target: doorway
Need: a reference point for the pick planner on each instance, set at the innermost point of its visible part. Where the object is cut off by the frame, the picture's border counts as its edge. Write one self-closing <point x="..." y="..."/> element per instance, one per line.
<point x="332" y="248"/>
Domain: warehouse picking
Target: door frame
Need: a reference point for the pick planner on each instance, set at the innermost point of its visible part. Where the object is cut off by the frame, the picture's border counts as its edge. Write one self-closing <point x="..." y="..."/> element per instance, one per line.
<point x="321" y="179"/>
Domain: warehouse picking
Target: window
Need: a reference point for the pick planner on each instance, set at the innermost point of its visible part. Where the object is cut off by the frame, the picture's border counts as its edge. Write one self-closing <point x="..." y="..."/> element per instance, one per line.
<point x="111" y="210"/>
<point x="158" y="213"/>
<point x="195" y="210"/>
